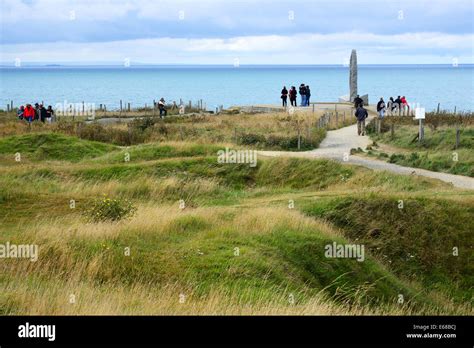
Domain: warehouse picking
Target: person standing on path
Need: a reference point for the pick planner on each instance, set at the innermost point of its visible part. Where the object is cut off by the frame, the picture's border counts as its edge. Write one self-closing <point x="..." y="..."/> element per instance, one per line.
<point x="284" y="97"/>
<point x="49" y="114"/>
<point x="390" y="106"/>
<point x="398" y="105"/>
<point x="293" y="96"/>
<point x="302" y="91"/>
<point x="381" y="108"/>
<point x="405" y="106"/>
<point x="361" y="115"/>
<point x="162" y="108"/>
<point x="308" y="95"/>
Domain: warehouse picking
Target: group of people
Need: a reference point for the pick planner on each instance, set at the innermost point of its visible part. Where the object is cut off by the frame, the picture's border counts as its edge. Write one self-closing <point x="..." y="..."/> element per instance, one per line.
<point x="397" y="106"/>
<point x="39" y="112"/>
<point x="392" y="107"/>
<point x="304" y="92"/>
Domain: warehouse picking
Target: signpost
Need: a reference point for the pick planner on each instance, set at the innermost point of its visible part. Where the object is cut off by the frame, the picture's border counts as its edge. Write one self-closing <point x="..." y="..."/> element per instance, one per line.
<point x="420" y="116"/>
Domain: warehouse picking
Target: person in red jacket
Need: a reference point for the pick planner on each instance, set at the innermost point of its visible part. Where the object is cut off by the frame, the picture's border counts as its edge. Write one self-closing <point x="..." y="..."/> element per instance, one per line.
<point x="29" y="113"/>
<point x="405" y="106"/>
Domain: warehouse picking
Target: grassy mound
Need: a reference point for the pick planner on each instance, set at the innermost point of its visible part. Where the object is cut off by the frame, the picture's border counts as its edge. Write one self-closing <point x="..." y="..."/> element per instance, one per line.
<point x="261" y="253"/>
<point x="415" y="241"/>
<point x="236" y="247"/>
<point x="52" y="146"/>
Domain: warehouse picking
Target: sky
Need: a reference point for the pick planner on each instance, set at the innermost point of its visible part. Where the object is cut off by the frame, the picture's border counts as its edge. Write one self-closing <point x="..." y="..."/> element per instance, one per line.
<point x="236" y="32"/>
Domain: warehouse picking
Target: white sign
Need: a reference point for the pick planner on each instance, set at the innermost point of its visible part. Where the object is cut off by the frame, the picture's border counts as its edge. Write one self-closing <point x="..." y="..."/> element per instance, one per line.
<point x="420" y="113"/>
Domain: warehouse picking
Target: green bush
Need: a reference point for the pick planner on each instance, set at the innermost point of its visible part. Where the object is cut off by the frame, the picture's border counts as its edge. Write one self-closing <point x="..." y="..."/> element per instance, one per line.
<point x="251" y="139"/>
<point x="106" y="209"/>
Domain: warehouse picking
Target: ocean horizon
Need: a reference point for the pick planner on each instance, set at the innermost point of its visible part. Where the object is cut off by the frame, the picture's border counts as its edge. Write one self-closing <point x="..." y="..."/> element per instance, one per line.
<point x="228" y="85"/>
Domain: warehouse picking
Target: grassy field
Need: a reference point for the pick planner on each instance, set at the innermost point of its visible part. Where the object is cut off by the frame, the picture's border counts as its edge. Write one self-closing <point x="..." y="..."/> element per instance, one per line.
<point x="217" y="238"/>
<point x="436" y="153"/>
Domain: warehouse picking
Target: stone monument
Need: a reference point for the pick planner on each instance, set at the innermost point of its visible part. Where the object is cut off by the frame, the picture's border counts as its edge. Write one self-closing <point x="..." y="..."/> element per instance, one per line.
<point x="353" y="76"/>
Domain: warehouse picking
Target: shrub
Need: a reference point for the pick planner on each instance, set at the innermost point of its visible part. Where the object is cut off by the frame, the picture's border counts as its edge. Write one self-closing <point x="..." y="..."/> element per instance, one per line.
<point x="107" y="209"/>
<point x="251" y="139"/>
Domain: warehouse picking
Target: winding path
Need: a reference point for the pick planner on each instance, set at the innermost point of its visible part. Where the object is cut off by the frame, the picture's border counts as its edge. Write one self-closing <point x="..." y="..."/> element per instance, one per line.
<point x="337" y="146"/>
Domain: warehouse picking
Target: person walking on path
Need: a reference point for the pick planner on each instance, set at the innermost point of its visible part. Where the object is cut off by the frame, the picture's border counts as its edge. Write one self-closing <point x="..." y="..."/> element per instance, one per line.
<point x="37" y="111"/>
<point x="358" y="101"/>
<point x="308" y="95"/>
<point x="49" y="114"/>
<point x="302" y="91"/>
<point x="293" y="96"/>
<point x="20" y="112"/>
<point x="162" y="108"/>
<point x="361" y="115"/>
<point x="284" y="97"/>
<point x="381" y="108"/>
<point x="42" y="113"/>
<point x="29" y="113"/>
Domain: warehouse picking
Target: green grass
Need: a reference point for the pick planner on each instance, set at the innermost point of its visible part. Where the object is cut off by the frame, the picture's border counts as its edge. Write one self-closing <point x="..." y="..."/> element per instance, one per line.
<point x="436" y="153"/>
<point x="415" y="241"/>
<point x="52" y="146"/>
<point x="281" y="251"/>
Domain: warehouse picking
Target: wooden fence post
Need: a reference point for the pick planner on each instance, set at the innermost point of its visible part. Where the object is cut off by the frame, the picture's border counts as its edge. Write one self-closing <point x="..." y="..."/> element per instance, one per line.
<point x="421" y="132"/>
<point x="458" y="136"/>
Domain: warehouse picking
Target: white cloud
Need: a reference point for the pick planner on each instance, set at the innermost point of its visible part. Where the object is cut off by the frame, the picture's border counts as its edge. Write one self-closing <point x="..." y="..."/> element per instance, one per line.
<point x="269" y="49"/>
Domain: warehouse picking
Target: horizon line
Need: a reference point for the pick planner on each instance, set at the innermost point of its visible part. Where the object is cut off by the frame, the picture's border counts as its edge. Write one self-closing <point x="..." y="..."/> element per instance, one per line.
<point x="46" y="64"/>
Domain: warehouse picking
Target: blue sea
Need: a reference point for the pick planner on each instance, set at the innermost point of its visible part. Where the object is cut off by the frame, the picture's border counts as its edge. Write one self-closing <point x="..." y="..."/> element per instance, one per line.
<point x="427" y="85"/>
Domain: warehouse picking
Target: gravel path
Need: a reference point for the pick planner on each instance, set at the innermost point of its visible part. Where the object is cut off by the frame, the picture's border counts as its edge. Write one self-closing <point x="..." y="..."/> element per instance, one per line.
<point x="337" y="146"/>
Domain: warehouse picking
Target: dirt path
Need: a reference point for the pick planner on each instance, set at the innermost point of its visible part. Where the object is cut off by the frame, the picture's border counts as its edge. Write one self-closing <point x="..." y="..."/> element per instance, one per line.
<point x="337" y="146"/>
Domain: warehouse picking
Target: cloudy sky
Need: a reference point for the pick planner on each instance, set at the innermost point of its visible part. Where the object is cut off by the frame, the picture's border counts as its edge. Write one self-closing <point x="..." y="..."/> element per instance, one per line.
<point x="244" y="31"/>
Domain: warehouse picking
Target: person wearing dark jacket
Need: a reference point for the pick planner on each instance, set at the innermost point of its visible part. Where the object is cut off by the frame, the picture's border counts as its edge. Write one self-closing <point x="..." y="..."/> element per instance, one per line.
<point x="20" y="112"/>
<point x="293" y="96"/>
<point x="37" y="112"/>
<point x="398" y="104"/>
<point x="358" y="101"/>
<point x="49" y="114"/>
<point x="361" y="115"/>
<point x="308" y="95"/>
<point x="302" y="91"/>
<point x="284" y="96"/>
<point x="42" y="113"/>
<point x="381" y="108"/>
<point x="162" y="108"/>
